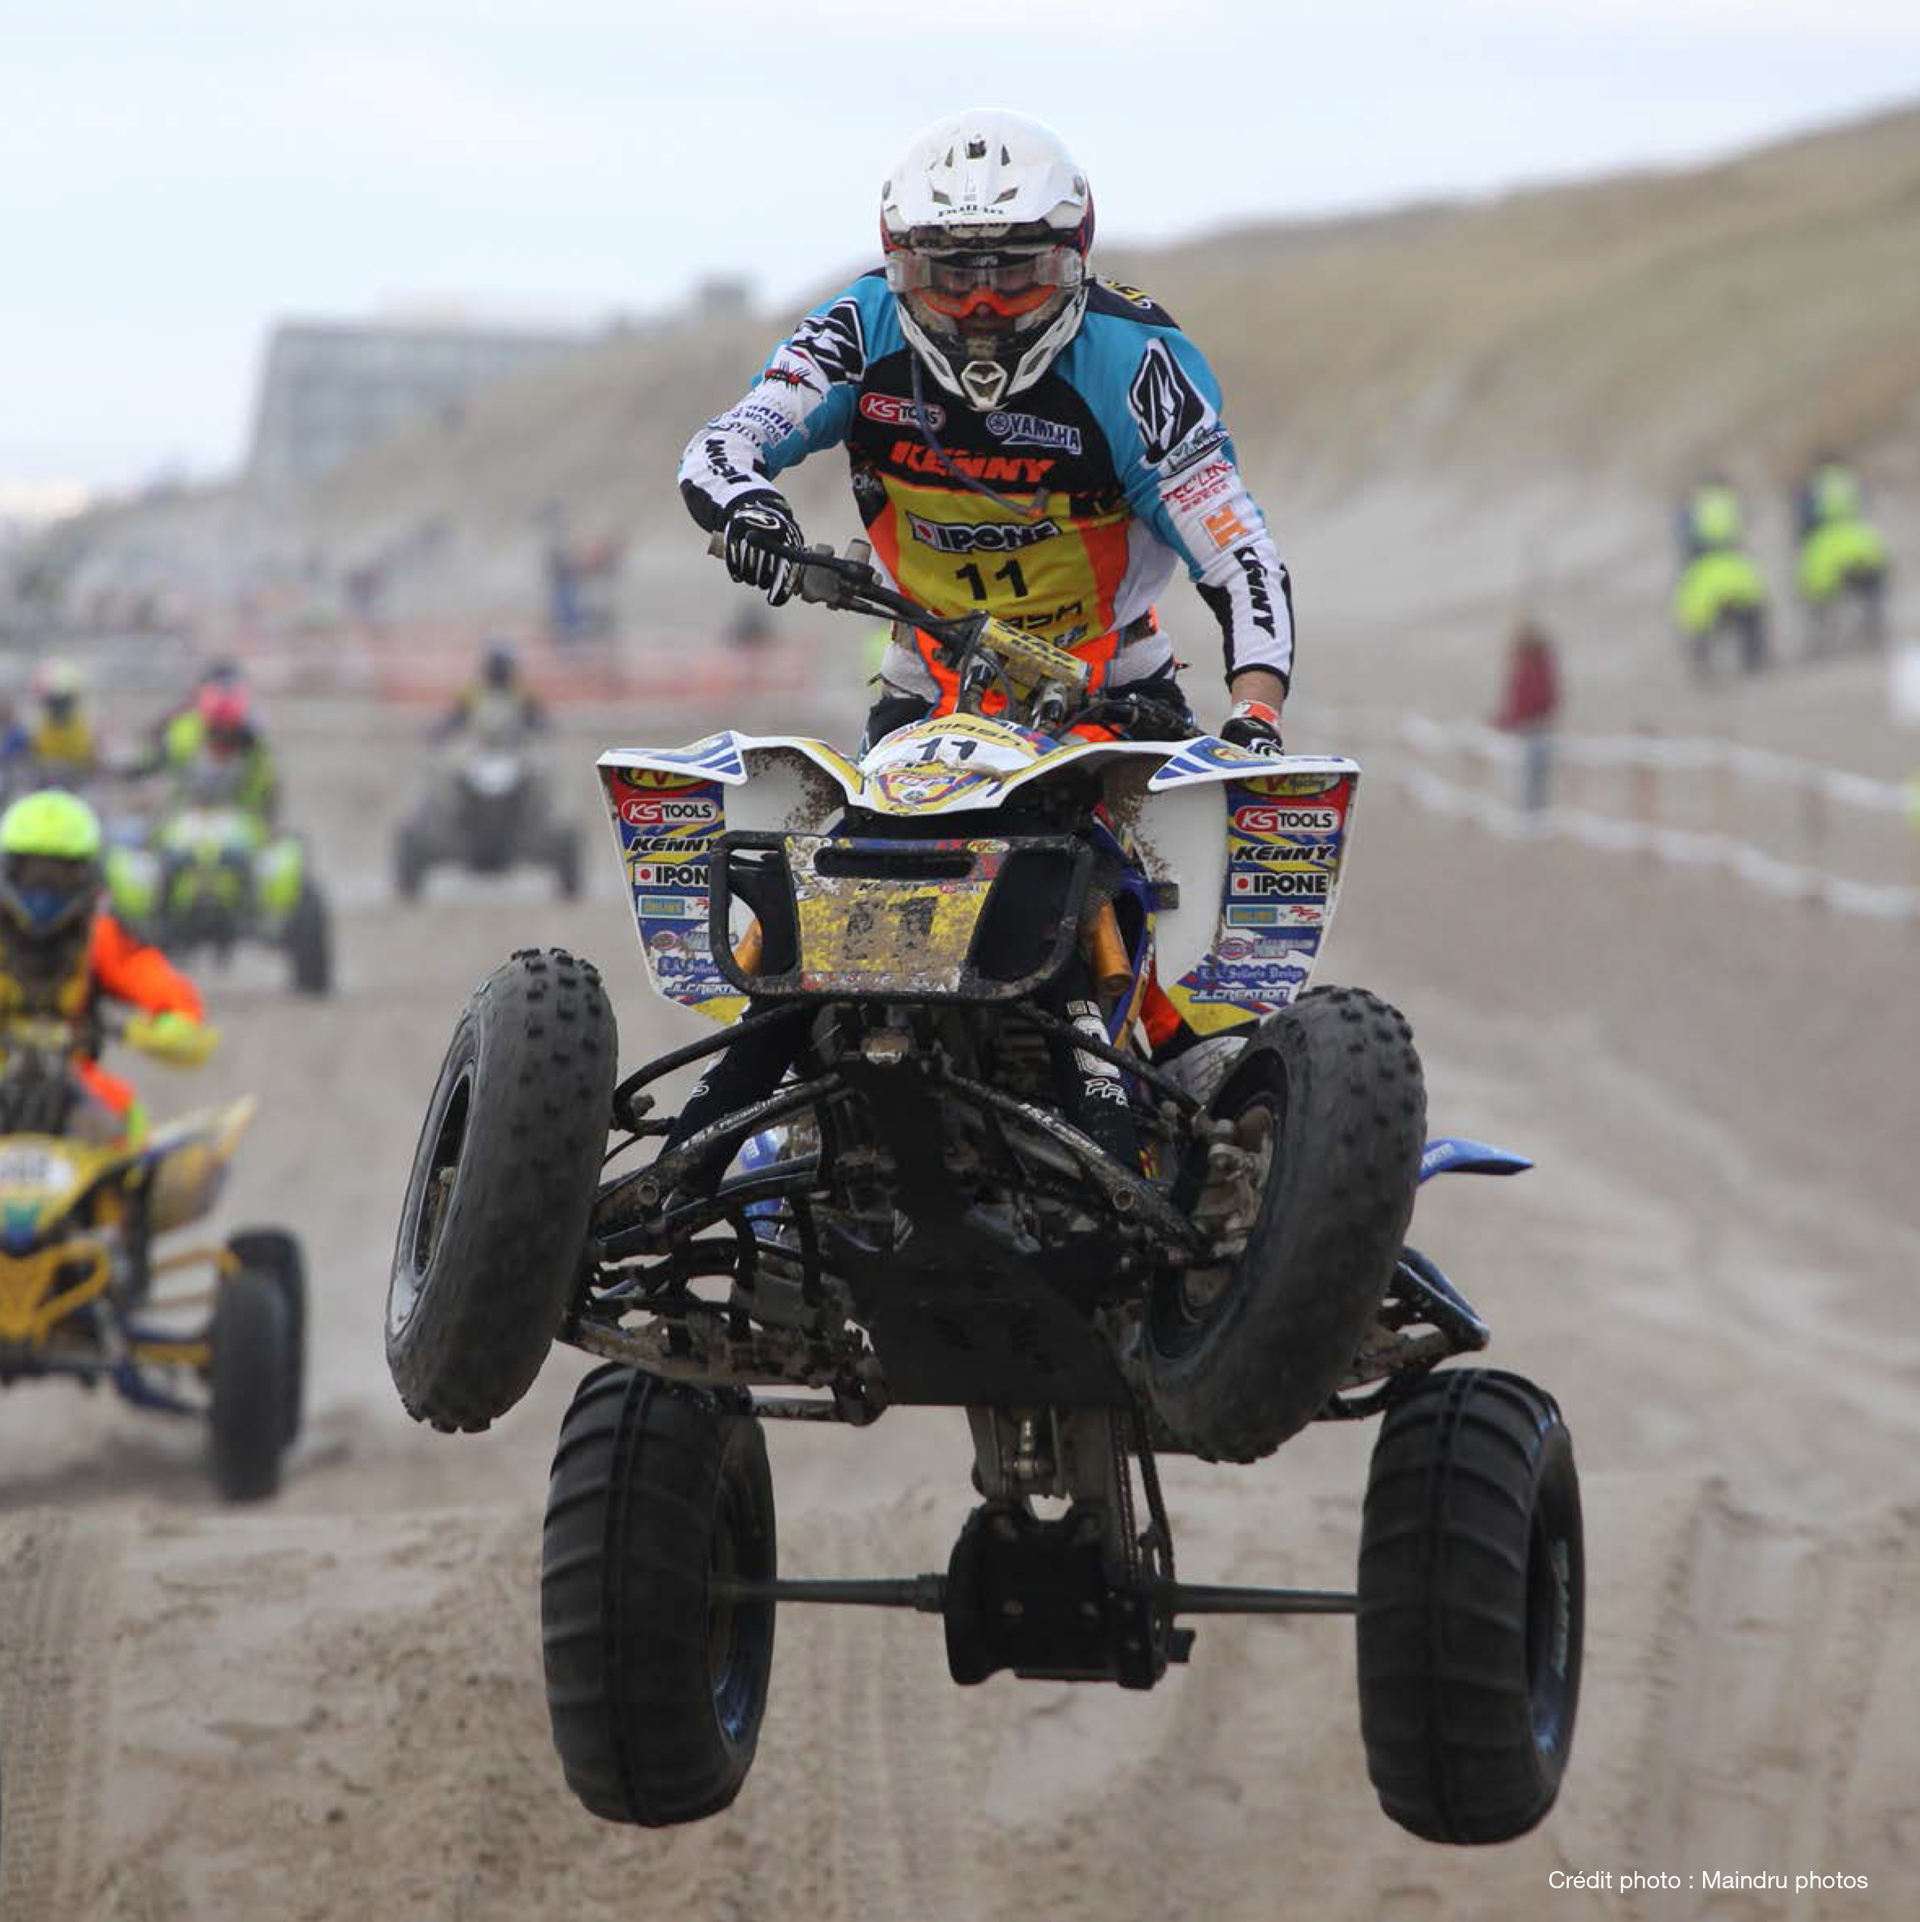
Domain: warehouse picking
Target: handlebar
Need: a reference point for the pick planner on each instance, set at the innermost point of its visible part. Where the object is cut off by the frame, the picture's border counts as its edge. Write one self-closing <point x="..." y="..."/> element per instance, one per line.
<point x="848" y="583"/>
<point x="1044" y="686"/>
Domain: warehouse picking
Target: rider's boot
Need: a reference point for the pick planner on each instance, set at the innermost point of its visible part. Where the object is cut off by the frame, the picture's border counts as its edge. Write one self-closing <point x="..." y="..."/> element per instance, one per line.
<point x="1195" y="1062"/>
<point x="1199" y="1063"/>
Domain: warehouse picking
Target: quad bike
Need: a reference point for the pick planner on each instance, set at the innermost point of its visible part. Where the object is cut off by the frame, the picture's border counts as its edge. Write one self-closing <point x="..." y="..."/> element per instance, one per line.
<point x="83" y="1290"/>
<point x="214" y="875"/>
<point x="488" y="810"/>
<point x="912" y="1215"/>
<point x="1720" y="608"/>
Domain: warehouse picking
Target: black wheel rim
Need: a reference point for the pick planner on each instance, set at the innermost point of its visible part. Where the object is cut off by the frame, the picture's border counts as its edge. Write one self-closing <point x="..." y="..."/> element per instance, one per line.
<point x="737" y="1632"/>
<point x="1551" y="1624"/>
<point x="433" y="1199"/>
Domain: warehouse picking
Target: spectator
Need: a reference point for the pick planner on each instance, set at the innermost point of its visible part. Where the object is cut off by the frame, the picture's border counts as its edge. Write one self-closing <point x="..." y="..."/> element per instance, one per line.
<point x="1529" y="708"/>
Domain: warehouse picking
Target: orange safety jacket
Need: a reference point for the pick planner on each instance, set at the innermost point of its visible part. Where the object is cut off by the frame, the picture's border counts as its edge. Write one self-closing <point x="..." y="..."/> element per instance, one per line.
<point x="131" y="971"/>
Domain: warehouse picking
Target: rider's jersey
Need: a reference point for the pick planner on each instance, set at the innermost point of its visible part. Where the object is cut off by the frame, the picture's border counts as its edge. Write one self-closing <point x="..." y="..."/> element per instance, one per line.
<point x="490" y="713"/>
<point x="104" y="960"/>
<point x="242" y="773"/>
<point x="1113" y="468"/>
<point x="1832" y="494"/>
<point x="68" y="744"/>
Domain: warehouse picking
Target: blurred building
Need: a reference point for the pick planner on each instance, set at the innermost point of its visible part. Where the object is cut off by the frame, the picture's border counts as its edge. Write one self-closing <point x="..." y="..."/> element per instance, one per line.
<point x="330" y="387"/>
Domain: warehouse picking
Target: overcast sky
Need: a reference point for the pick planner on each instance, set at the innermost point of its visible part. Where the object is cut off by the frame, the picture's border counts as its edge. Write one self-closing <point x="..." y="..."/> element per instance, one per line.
<point x="175" y="176"/>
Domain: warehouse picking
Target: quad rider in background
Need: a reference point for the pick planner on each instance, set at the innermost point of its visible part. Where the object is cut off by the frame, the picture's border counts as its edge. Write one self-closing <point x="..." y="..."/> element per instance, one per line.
<point x="216" y="749"/>
<point x="1026" y="440"/>
<point x="61" y="953"/>
<point x="498" y="707"/>
<point x="1720" y="587"/>
<point x="62" y="743"/>
<point x="1840" y="549"/>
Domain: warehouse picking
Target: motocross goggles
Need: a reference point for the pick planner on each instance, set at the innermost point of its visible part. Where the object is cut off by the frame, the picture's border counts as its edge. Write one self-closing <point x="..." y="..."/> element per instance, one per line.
<point x="43" y="896"/>
<point x="1003" y="290"/>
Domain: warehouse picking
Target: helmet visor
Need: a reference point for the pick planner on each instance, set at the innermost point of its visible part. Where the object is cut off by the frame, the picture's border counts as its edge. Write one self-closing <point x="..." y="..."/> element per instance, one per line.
<point x="44" y="894"/>
<point x="992" y="294"/>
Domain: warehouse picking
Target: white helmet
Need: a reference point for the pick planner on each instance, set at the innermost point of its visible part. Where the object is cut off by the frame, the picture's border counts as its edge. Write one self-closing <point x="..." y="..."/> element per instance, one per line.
<point x="986" y="222"/>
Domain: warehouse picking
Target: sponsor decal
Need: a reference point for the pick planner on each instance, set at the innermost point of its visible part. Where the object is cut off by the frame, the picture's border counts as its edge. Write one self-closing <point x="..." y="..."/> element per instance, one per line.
<point x="1165" y="403"/>
<point x="683" y="968"/>
<point x="654" y="780"/>
<point x="765" y="422"/>
<point x="834" y="341"/>
<point x="1197" y="490"/>
<point x="682" y="847"/>
<point x="922" y="790"/>
<point x="668" y="907"/>
<point x="894" y="411"/>
<point x="1226" y="526"/>
<point x="664" y="811"/>
<point x="1242" y="914"/>
<point x="1052" y="618"/>
<point x="1235" y="947"/>
<point x="1029" y="430"/>
<point x="1292" y="783"/>
<point x="685" y="876"/>
<point x="1195" y="448"/>
<point x="1262" y="974"/>
<point x="789" y="374"/>
<point x="1009" y="470"/>
<point x="22" y="1167"/>
<point x="1271" y="817"/>
<point x="720" y="462"/>
<point x="1278" y="946"/>
<point x="1297" y="882"/>
<point x="1310" y="854"/>
<point x="1258" y="596"/>
<point x="980" y="537"/>
<point x="664" y="941"/>
<point x="1131" y="295"/>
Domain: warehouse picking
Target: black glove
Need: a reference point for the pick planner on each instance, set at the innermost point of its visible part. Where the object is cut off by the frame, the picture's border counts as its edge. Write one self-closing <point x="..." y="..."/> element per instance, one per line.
<point x="1254" y="726"/>
<point x="757" y="524"/>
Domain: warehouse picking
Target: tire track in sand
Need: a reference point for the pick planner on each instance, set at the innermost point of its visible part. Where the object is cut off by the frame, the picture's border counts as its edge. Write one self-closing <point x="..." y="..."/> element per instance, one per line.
<point x="59" y="1598"/>
<point x="1780" y="1684"/>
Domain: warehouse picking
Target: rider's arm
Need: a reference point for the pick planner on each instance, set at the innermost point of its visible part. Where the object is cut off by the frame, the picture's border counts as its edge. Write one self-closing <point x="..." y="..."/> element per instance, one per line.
<point x="1183" y="479"/>
<point x="802" y="403"/>
<point x="131" y="971"/>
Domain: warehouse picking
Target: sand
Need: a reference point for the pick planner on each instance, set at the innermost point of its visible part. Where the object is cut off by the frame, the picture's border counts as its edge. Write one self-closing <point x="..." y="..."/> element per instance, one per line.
<point x="332" y="1706"/>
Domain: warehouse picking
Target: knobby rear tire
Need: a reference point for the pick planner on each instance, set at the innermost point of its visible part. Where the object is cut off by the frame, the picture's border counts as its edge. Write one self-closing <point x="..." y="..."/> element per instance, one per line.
<point x="655" y="1690"/>
<point x="1472" y="1607"/>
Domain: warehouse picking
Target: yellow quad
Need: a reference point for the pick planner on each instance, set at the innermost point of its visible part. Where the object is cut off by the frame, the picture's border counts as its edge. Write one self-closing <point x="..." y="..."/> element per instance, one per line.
<point x="84" y="1294"/>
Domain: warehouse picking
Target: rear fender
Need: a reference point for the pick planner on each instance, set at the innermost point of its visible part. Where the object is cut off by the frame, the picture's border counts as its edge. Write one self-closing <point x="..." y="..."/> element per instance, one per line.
<point x="1247" y="852"/>
<point x="187" y="1161"/>
<point x="668" y="807"/>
